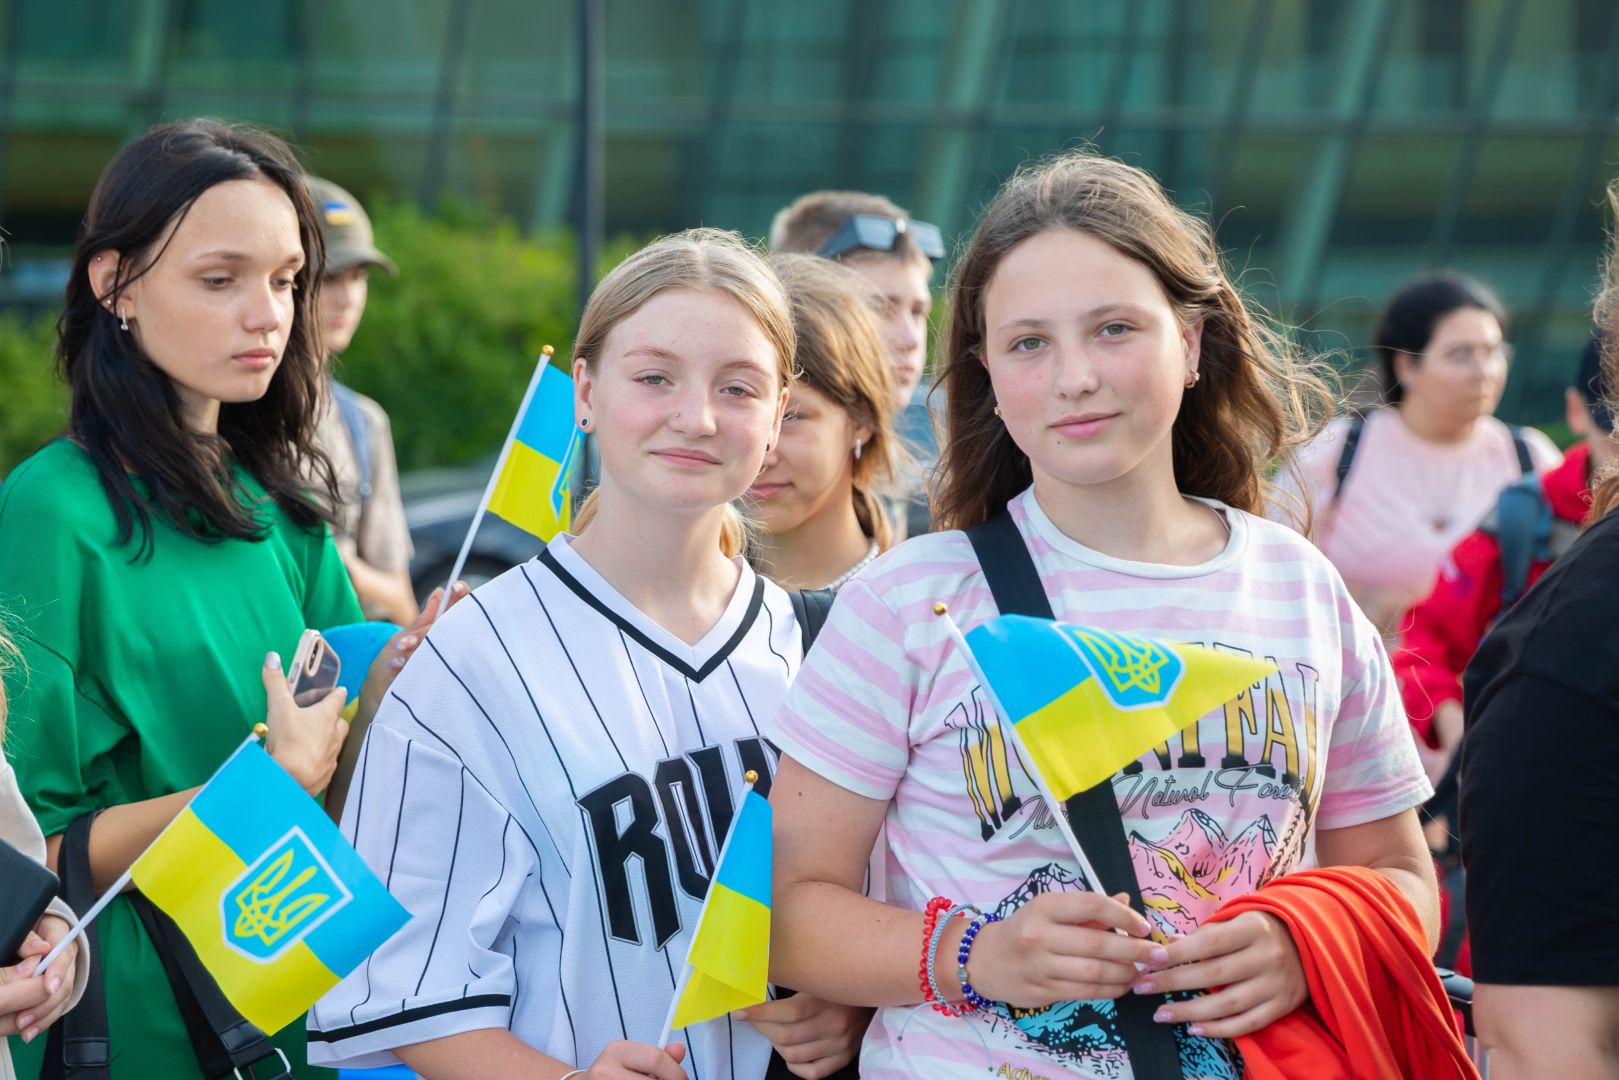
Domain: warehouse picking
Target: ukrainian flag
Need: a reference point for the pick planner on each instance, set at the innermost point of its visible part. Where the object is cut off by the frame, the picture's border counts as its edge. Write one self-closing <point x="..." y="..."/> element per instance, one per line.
<point x="534" y="491"/>
<point x="1087" y="702"/>
<point x="730" y="953"/>
<point x="277" y="904"/>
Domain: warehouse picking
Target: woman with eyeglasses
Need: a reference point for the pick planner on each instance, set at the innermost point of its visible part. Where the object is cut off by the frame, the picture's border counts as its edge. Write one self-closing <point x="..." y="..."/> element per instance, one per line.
<point x="1389" y="494"/>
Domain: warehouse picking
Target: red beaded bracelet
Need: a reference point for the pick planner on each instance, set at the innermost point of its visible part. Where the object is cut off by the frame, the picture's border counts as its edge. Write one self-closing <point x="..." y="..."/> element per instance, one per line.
<point x="930" y="916"/>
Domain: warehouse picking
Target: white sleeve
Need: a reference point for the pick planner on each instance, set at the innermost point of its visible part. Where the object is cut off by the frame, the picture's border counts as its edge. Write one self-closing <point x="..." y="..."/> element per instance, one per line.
<point x="453" y="856"/>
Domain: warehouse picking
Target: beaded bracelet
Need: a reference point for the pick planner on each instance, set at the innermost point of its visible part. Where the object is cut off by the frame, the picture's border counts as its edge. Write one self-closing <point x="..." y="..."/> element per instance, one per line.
<point x="933" y="995"/>
<point x="976" y="1000"/>
<point x="930" y="917"/>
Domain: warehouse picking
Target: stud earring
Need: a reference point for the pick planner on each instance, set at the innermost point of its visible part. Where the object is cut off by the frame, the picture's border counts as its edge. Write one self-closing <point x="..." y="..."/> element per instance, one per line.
<point x="584" y="423"/>
<point x="1191" y="380"/>
<point x="998" y="415"/>
<point x="123" y="320"/>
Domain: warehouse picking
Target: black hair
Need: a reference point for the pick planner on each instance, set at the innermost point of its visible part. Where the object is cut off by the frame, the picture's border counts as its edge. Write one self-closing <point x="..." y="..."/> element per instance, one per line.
<point x="126" y="413"/>
<point x="1407" y="323"/>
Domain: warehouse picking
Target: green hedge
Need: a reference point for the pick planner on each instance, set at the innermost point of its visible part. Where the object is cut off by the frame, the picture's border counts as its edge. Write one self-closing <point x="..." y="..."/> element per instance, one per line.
<point x="33" y="406"/>
<point x="447" y="347"/>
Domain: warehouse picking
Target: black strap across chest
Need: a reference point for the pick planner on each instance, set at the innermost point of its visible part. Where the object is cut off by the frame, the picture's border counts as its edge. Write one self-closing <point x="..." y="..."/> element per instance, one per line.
<point x="1093" y="814"/>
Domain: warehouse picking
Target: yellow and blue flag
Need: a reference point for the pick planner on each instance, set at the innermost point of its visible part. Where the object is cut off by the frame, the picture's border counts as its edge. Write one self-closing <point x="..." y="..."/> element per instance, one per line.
<point x="535" y="489"/>
<point x="730" y="953"/>
<point x="277" y="904"/>
<point x="1087" y="702"/>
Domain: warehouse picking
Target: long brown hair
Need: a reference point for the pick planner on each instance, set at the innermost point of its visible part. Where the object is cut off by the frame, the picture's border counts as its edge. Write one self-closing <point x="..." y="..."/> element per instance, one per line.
<point x="703" y="260"/>
<point x="126" y="412"/>
<point x="1605" y="488"/>
<point x="841" y="354"/>
<point x="1256" y="399"/>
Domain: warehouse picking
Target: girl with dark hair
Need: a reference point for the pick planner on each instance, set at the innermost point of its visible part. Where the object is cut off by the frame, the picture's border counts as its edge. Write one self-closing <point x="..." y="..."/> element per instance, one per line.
<point x="1391" y="494"/>
<point x="818" y="500"/>
<point x="154" y="558"/>
<point x="1113" y="408"/>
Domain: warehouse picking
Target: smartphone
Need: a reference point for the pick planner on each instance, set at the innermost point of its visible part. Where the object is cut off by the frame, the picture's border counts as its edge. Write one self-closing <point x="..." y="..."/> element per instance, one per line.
<point x="315" y="669"/>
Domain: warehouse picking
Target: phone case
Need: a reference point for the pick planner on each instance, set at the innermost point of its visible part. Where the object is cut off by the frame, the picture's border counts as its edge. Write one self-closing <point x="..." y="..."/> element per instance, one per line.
<point x="315" y="669"/>
<point x="28" y="891"/>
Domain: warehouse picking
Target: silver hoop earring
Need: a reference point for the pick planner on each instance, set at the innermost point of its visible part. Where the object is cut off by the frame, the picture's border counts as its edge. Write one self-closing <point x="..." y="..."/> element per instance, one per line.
<point x="123" y="320"/>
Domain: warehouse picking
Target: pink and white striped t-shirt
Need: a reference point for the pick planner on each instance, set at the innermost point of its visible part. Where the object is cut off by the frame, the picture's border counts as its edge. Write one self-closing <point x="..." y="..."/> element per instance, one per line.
<point x="885" y="707"/>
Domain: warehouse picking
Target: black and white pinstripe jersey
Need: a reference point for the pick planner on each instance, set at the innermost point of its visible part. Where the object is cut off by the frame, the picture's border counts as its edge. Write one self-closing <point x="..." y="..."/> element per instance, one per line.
<point x="545" y="789"/>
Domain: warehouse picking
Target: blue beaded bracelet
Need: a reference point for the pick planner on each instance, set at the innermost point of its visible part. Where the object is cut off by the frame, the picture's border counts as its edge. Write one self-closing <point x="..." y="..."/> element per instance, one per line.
<point x="933" y="944"/>
<point x="974" y="998"/>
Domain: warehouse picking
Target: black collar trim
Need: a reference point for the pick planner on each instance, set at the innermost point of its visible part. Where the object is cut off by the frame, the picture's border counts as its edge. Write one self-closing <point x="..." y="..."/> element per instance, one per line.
<point x="756" y="602"/>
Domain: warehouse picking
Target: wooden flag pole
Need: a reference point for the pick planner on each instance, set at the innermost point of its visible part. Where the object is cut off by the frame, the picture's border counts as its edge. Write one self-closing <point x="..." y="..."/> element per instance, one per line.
<point x="494" y="478"/>
<point x="77" y="931"/>
<point x="749" y="779"/>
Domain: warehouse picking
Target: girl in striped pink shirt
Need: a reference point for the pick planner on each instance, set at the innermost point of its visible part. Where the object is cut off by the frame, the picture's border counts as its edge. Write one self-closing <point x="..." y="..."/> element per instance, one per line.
<point x="1109" y="390"/>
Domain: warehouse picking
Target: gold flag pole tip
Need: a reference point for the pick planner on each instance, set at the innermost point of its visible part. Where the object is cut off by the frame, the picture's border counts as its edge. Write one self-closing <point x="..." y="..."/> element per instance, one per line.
<point x="751" y="777"/>
<point x="261" y="730"/>
<point x="940" y="609"/>
<point x="546" y="350"/>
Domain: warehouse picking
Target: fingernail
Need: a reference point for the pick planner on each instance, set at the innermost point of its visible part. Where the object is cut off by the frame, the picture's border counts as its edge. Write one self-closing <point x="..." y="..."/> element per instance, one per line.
<point x="1143" y="986"/>
<point x="27" y="966"/>
<point x="407" y="643"/>
<point x="55" y="983"/>
<point x="33" y="1033"/>
<point x="1195" y="1029"/>
<point x="396" y="663"/>
<point x="1144" y="930"/>
<point x="460" y="586"/>
<point x="739" y="1014"/>
<point x="25" y="1020"/>
<point x="1159" y="954"/>
<point x="1163" y="1016"/>
<point x="272" y="660"/>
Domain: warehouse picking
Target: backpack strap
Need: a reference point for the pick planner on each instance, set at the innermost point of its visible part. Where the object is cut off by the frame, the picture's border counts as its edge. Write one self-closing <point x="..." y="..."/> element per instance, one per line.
<point x="1015" y="584"/>
<point x="225" y="1043"/>
<point x="1522" y="524"/>
<point x="1346" y="456"/>
<point x="810" y="608"/>
<point x="77" y="1047"/>
<point x="1520" y="446"/>
<point x="359" y="429"/>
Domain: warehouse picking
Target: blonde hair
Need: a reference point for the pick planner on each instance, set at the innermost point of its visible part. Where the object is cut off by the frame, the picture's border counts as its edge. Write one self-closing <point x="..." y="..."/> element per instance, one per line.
<point x="702" y="260"/>
<point x="10" y="657"/>
<point x="811" y="220"/>
<point x="842" y="355"/>
<point x="1605" y="487"/>
<point x="1256" y="400"/>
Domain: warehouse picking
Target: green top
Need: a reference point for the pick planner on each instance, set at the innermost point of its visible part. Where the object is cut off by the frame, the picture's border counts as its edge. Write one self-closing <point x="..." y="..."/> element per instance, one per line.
<point x="138" y="679"/>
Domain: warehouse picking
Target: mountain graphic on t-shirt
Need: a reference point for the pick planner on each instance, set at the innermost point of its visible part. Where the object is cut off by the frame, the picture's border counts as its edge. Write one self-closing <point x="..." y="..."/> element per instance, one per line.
<point x="1187" y="874"/>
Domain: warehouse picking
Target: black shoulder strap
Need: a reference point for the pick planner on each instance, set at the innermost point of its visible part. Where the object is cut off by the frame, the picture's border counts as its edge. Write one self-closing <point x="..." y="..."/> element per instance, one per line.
<point x="1520" y="446"/>
<point x="1093" y="814"/>
<point x="78" y="1047"/>
<point x="810" y="608"/>
<point x="223" y="1041"/>
<point x="1346" y="457"/>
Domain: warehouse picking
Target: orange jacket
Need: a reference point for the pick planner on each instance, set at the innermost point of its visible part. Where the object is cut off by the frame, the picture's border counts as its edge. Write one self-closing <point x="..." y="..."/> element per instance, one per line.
<point x="1376" y="1009"/>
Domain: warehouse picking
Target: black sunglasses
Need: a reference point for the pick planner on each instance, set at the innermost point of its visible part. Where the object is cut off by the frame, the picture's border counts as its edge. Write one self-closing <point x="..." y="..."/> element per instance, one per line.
<point x="874" y="232"/>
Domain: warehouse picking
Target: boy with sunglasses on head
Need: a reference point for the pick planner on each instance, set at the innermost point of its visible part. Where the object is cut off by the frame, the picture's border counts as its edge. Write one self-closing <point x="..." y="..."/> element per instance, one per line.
<point x="878" y="239"/>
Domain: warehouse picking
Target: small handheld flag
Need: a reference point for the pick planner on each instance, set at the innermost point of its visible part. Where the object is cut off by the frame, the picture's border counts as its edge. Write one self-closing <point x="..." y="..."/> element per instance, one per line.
<point x="532" y="485"/>
<point x="1080" y="703"/>
<point x="728" y="963"/>
<point x="1087" y="702"/>
<point x="278" y="906"/>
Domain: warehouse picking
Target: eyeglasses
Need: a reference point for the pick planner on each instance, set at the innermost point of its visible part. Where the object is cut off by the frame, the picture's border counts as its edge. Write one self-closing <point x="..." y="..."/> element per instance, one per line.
<point x="1459" y="355"/>
<point x="874" y="232"/>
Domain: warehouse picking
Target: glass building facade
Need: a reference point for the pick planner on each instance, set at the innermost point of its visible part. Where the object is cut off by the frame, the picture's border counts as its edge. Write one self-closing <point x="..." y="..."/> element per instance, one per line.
<point x="1341" y="145"/>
